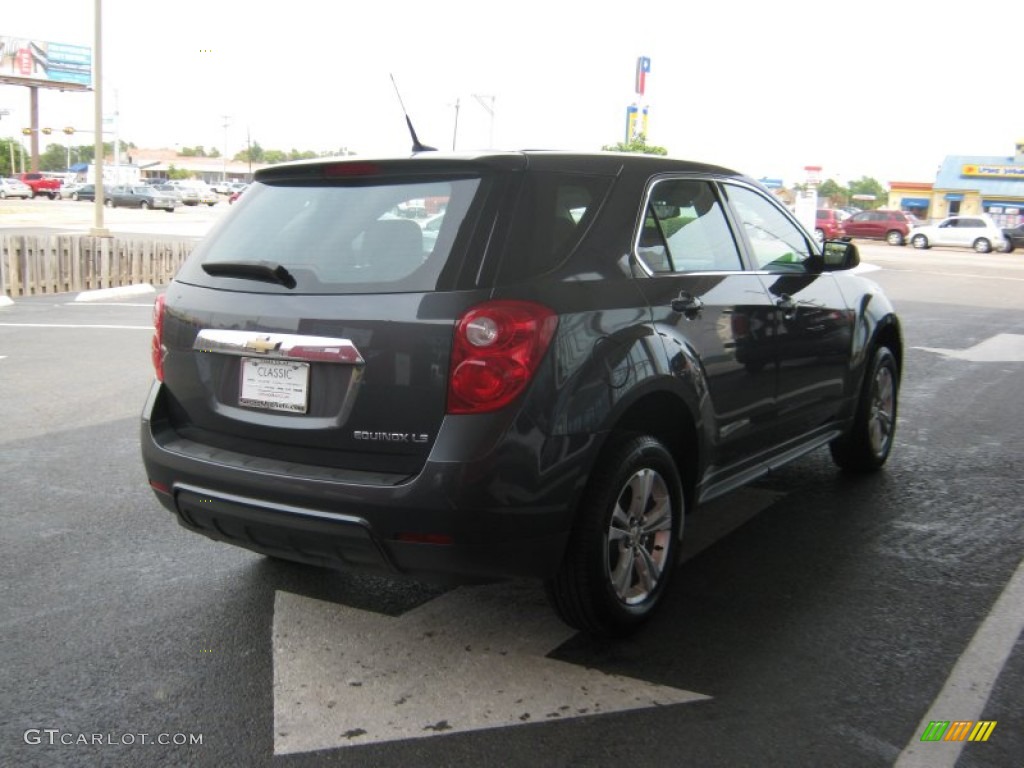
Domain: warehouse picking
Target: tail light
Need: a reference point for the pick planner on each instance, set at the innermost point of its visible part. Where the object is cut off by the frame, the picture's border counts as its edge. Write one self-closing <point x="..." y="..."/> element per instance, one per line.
<point x="157" y="350"/>
<point x="498" y="347"/>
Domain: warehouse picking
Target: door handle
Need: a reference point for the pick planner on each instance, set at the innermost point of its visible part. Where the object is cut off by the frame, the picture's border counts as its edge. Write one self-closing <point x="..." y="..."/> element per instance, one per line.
<point x="687" y="303"/>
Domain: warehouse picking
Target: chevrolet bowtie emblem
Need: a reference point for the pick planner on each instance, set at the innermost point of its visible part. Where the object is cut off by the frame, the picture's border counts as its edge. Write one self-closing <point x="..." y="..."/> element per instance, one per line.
<point x="262" y="345"/>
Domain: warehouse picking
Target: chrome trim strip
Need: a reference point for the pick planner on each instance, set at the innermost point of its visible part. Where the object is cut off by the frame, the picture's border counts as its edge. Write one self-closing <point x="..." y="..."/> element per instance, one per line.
<point x="279" y="346"/>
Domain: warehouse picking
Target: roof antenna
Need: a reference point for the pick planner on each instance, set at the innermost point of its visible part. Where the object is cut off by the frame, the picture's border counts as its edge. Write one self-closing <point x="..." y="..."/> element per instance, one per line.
<point x="416" y="145"/>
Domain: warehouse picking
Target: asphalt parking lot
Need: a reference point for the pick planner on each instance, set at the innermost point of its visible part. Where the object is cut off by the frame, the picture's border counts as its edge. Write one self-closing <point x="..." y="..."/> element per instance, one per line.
<point x="817" y="620"/>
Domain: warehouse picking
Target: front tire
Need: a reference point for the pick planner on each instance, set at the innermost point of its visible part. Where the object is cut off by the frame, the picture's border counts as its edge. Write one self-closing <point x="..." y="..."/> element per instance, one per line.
<point x="144" y="205"/>
<point x="982" y="245"/>
<point x="919" y="241"/>
<point x="622" y="550"/>
<point x="866" y="447"/>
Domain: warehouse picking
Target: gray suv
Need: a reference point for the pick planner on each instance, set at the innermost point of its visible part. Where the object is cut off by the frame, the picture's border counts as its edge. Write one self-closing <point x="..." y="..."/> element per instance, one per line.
<point x="585" y="348"/>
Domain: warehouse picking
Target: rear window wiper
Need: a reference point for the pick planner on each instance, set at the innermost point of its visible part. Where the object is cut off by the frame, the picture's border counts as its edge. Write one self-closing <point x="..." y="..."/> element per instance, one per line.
<point x="264" y="271"/>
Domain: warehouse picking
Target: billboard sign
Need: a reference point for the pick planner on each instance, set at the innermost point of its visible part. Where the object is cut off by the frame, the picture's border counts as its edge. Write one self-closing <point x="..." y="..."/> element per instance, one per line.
<point x="35" y="62"/>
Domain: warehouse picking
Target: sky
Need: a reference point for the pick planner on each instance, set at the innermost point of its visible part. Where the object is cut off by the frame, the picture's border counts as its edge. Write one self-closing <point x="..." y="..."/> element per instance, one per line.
<point x="878" y="89"/>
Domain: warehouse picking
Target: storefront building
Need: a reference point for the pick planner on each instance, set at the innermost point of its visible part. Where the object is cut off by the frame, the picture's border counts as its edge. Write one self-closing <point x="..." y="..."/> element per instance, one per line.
<point x="968" y="184"/>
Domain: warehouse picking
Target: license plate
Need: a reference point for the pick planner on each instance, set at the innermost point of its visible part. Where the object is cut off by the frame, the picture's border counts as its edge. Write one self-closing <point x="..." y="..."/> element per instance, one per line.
<point x="274" y="385"/>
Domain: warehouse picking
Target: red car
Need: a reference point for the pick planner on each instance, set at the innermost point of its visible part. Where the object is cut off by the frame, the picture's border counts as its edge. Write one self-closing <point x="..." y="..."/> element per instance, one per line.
<point x="828" y="224"/>
<point x="892" y="226"/>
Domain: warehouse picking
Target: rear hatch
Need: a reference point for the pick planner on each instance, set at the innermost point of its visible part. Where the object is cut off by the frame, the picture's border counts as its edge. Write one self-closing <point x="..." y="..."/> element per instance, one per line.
<point x="314" y="324"/>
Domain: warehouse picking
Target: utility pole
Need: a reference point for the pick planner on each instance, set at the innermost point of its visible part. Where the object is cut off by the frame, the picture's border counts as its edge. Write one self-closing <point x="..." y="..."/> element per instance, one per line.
<point x="455" y="133"/>
<point x="224" y="157"/>
<point x="98" y="230"/>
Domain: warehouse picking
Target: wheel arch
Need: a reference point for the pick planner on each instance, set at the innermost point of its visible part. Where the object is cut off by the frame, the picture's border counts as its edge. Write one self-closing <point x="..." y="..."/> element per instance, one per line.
<point x="665" y="416"/>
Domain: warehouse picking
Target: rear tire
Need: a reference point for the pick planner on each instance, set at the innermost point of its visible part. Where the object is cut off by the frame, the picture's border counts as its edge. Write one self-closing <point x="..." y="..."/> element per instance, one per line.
<point x="895" y="238"/>
<point x="982" y="245"/>
<point x="622" y="549"/>
<point x="144" y="205"/>
<point x="866" y="447"/>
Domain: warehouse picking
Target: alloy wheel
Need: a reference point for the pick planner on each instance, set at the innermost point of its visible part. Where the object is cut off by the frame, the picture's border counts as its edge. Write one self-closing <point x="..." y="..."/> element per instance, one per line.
<point x="639" y="536"/>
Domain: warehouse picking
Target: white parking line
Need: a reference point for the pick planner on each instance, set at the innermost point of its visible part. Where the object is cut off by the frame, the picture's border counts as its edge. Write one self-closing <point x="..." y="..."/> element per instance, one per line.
<point x="70" y="325"/>
<point x="970" y="684"/>
<point x="106" y="304"/>
<point x="955" y="274"/>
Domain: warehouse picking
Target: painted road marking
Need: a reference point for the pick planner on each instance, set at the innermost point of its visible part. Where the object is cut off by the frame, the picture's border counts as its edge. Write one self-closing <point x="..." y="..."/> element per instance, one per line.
<point x="1001" y="348"/>
<point x="970" y="684"/>
<point x="69" y="325"/>
<point x="105" y="304"/>
<point x="472" y="659"/>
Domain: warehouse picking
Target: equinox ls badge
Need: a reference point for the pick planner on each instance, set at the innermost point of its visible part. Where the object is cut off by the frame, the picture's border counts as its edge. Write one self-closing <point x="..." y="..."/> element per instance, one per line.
<point x="390" y="437"/>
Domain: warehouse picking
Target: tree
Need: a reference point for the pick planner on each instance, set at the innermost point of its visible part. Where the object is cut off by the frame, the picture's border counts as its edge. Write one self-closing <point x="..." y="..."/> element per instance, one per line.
<point x="177" y="173"/>
<point x="214" y="152"/>
<point x="254" y="154"/>
<point x="868" y="186"/>
<point x="55" y="158"/>
<point x="9" y="147"/>
<point x="638" y="144"/>
<point x="831" y="191"/>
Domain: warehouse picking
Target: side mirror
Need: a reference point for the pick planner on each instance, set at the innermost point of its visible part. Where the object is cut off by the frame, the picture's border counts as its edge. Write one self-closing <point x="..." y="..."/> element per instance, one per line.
<point x="839" y="255"/>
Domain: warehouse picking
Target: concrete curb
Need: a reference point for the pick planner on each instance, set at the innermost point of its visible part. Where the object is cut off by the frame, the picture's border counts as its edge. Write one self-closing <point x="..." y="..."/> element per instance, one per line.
<point x="125" y="291"/>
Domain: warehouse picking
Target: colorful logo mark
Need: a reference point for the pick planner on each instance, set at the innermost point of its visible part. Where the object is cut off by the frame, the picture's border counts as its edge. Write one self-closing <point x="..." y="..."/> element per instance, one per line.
<point x="958" y="730"/>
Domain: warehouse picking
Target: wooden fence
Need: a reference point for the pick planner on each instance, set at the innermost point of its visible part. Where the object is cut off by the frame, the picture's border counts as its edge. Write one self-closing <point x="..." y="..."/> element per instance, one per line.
<point x="33" y="265"/>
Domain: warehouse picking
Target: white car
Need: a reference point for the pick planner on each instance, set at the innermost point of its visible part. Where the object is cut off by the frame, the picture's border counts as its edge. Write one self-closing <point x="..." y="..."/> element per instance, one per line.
<point x="978" y="232"/>
<point x="14" y="188"/>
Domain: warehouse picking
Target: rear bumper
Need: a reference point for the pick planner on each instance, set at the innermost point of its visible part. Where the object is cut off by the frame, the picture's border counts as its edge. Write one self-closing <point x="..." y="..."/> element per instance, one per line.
<point x="484" y="528"/>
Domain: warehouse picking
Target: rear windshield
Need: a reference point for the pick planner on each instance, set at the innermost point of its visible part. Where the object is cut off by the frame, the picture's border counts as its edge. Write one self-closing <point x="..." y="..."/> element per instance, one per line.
<point x="367" y="236"/>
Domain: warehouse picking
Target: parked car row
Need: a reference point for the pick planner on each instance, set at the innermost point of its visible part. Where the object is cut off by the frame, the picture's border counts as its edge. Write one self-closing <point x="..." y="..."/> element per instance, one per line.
<point x="1014" y="238"/>
<point x="141" y="196"/>
<point x="892" y="226"/>
<point x="14" y="188"/>
<point x="228" y="187"/>
<point x="979" y="232"/>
